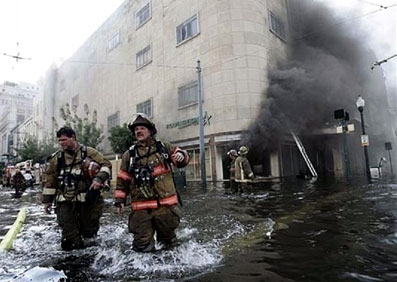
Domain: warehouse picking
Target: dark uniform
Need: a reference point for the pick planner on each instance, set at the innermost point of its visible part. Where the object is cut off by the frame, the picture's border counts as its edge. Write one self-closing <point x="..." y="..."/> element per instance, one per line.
<point x="145" y="174"/>
<point x="19" y="183"/>
<point x="78" y="209"/>
<point x="232" y="170"/>
<point x="243" y="172"/>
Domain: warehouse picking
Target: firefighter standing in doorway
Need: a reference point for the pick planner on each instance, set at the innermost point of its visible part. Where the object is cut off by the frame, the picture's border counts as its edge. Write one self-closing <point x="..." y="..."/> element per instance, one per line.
<point x="233" y="155"/>
<point x="243" y="172"/>
<point x="146" y="175"/>
<point x="75" y="176"/>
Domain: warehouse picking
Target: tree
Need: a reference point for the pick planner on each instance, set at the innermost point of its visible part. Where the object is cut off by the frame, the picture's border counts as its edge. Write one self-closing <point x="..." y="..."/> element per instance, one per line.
<point x="87" y="132"/>
<point x="121" y="138"/>
<point x="35" y="150"/>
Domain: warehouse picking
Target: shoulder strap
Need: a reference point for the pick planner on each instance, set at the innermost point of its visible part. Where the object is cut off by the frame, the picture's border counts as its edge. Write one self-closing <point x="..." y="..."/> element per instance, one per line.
<point x="161" y="149"/>
<point x="131" y="152"/>
<point x="60" y="162"/>
<point x="83" y="152"/>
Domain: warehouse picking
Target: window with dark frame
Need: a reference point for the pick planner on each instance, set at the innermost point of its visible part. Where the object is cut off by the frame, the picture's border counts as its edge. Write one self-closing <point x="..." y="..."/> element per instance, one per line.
<point x="143" y="15"/>
<point x="145" y="107"/>
<point x="113" y="120"/>
<point x="114" y="41"/>
<point x="143" y="57"/>
<point x="187" y="94"/>
<point x="277" y="26"/>
<point x="187" y="30"/>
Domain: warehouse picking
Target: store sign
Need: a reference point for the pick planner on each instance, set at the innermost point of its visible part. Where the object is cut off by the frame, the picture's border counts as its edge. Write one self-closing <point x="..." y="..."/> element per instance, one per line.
<point x="190" y="121"/>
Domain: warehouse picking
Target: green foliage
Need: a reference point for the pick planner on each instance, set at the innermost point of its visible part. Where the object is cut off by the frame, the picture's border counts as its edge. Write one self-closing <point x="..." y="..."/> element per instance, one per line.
<point x="35" y="150"/>
<point x="121" y="138"/>
<point x="87" y="132"/>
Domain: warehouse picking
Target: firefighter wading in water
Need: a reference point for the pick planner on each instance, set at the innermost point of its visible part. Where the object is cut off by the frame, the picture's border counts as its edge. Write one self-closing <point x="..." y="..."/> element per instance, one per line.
<point x="75" y="176"/>
<point x="145" y="174"/>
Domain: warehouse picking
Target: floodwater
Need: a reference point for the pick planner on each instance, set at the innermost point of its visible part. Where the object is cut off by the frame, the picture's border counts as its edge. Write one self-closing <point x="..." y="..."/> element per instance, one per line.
<point x="328" y="230"/>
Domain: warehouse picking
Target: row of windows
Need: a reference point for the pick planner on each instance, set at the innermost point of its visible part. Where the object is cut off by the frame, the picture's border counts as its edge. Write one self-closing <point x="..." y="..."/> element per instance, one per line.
<point x="187" y="96"/>
<point x="184" y="32"/>
<point x="6" y="102"/>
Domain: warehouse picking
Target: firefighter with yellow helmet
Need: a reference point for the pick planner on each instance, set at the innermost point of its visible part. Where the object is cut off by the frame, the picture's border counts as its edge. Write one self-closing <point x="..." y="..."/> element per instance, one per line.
<point x="146" y="176"/>
<point x="243" y="169"/>
<point x="75" y="175"/>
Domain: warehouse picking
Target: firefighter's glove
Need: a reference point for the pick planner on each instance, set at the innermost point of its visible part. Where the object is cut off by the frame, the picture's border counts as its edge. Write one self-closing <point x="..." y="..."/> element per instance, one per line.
<point x="96" y="184"/>
<point x="179" y="157"/>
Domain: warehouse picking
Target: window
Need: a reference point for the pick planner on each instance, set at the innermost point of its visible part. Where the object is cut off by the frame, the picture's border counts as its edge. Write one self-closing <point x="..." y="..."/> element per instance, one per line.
<point x="193" y="169"/>
<point x="143" y="57"/>
<point x="187" y="30"/>
<point x="75" y="101"/>
<point x="145" y="107"/>
<point x="188" y="94"/>
<point x="114" y="42"/>
<point x="20" y="118"/>
<point x="143" y="15"/>
<point x="277" y="26"/>
<point x="113" y="120"/>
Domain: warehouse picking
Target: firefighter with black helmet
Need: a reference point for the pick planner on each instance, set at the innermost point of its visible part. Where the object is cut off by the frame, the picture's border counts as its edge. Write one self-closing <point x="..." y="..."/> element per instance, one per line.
<point x="244" y="173"/>
<point x="146" y="175"/>
<point x="75" y="175"/>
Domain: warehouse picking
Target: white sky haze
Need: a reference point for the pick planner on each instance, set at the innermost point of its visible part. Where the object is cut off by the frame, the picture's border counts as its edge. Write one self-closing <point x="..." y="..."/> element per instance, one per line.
<point x="51" y="30"/>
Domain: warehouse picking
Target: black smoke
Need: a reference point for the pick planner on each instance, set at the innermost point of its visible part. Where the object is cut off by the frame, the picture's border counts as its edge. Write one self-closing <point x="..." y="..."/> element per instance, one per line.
<point x="328" y="66"/>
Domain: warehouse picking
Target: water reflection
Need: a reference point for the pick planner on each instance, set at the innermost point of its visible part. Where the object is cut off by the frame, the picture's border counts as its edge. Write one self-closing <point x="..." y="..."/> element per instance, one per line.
<point x="324" y="231"/>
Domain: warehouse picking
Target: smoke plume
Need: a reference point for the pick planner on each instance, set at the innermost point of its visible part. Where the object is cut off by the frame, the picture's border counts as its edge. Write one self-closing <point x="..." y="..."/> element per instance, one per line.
<point x="327" y="68"/>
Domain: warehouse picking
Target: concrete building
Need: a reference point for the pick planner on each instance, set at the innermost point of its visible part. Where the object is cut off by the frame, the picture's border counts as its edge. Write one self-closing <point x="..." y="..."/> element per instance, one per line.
<point x="16" y="105"/>
<point x="43" y="108"/>
<point x="143" y="59"/>
<point x="20" y="134"/>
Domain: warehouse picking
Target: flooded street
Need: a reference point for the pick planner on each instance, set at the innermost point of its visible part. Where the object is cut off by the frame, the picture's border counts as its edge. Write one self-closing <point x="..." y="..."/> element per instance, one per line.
<point x="296" y="231"/>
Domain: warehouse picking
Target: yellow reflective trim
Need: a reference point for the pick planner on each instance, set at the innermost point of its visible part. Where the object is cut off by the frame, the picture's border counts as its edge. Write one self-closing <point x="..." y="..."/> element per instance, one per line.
<point x="81" y="197"/>
<point x="105" y="169"/>
<point x="49" y="191"/>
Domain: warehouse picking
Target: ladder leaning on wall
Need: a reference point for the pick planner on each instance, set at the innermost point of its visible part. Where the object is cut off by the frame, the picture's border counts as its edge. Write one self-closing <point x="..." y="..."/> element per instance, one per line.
<point x="304" y="155"/>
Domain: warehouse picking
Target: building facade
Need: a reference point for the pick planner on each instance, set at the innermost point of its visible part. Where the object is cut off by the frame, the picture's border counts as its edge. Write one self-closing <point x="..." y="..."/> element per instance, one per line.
<point x="144" y="59"/>
<point x="16" y="105"/>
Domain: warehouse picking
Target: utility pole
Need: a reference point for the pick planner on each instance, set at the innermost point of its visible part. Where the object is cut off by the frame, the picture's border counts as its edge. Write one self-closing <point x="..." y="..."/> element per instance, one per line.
<point x="201" y="125"/>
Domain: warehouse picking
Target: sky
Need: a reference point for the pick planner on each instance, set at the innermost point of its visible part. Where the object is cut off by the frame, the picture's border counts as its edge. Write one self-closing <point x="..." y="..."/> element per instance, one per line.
<point x="52" y="30"/>
<point x="47" y="31"/>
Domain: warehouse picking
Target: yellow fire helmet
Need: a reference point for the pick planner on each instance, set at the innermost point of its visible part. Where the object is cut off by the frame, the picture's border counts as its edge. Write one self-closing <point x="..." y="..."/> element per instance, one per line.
<point x="243" y="150"/>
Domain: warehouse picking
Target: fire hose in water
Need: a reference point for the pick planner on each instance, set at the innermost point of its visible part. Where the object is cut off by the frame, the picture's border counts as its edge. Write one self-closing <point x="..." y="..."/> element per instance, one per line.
<point x="6" y="244"/>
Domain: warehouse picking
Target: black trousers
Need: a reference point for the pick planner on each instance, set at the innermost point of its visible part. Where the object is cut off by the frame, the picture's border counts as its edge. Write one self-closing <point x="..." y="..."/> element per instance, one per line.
<point x="78" y="220"/>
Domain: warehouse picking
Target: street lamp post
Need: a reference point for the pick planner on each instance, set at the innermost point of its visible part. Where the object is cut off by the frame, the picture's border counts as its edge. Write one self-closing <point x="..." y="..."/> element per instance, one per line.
<point x="360" y="103"/>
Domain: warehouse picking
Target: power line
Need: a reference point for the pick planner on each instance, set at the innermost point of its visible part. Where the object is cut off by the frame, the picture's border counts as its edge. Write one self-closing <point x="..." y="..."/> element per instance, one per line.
<point x="122" y="64"/>
<point x="382" y="61"/>
<point x="315" y="32"/>
<point x="345" y="21"/>
<point x="374" y="4"/>
<point x="383" y="8"/>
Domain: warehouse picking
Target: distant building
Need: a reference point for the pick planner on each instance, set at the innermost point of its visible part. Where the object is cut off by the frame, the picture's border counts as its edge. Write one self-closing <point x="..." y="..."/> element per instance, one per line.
<point x="16" y="105"/>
